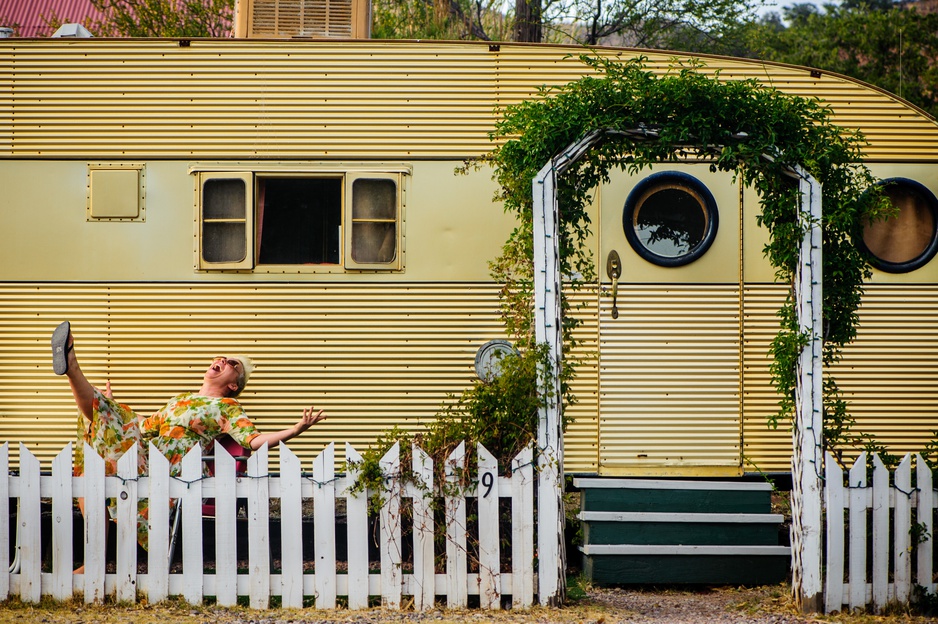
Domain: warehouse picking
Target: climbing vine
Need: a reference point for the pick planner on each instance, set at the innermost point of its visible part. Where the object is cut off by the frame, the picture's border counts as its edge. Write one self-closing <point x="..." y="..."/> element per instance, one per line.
<point x="758" y="133"/>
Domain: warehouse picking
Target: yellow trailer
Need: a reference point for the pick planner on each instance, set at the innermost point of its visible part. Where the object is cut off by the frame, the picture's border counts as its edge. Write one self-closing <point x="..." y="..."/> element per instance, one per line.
<point x="296" y="200"/>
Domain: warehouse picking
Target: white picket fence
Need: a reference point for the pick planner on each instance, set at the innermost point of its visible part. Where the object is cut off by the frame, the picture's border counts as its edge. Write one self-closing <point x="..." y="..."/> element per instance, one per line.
<point x="397" y="584"/>
<point x="870" y="536"/>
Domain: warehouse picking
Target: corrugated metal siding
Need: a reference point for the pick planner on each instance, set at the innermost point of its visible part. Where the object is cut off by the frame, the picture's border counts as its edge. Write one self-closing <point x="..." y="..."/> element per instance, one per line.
<point x="889" y="375"/>
<point x="314" y="99"/>
<point x="765" y="449"/>
<point x="374" y="356"/>
<point x="669" y="380"/>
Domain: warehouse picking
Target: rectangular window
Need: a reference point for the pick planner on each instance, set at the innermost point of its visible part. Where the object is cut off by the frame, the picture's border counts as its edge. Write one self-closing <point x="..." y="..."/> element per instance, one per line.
<point x="268" y="221"/>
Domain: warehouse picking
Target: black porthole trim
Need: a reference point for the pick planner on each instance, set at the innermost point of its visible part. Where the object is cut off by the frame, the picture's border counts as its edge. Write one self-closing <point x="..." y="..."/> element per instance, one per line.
<point x="923" y="258"/>
<point x="695" y="188"/>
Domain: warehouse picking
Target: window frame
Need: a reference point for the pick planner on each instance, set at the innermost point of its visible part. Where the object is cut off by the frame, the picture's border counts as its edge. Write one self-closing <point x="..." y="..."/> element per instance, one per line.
<point x="923" y="258"/>
<point x="347" y="173"/>
<point x="644" y="189"/>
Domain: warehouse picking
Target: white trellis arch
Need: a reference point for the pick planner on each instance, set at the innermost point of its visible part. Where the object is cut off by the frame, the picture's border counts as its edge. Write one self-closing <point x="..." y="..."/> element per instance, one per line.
<point x="807" y="433"/>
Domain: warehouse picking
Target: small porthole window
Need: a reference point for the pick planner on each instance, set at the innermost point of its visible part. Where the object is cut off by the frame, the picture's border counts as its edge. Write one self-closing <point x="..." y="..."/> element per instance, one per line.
<point x="670" y="219"/>
<point x="908" y="240"/>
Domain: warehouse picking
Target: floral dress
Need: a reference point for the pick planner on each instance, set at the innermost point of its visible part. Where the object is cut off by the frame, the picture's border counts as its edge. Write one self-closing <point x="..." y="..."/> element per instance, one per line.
<point x="188" y="419"/>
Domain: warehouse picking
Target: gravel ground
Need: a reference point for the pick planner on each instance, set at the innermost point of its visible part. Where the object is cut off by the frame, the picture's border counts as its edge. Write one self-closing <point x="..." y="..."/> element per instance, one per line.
<point x="762" y="605"/>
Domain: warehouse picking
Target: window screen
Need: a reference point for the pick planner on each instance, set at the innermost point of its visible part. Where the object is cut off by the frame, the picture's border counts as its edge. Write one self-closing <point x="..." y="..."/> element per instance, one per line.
<point x="299" y="220"/>
<point x="224" y="221"/>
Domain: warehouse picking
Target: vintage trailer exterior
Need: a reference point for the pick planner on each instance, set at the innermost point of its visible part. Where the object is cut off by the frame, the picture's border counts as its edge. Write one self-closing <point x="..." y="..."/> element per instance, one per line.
<point x="296" y="200"/>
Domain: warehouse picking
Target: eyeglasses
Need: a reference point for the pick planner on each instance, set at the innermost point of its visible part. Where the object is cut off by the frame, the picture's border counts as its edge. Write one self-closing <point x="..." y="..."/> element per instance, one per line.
<point x="235" y="364"/>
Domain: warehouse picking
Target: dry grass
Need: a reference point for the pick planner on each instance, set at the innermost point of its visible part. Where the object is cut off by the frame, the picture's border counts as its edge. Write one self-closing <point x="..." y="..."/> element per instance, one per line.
<point x="729" y="605"/>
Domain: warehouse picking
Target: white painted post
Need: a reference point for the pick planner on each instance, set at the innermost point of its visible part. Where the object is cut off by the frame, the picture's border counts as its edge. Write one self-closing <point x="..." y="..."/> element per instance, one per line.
<point x="457" y="572"/>
<point x="424" y="573"/>
<point x="356" y="510"/>
<point x="880" y="534"/>
<point x="548" y="330"/>
<point x="29" y="518"/>
<point x="259" y="529"/>
<point x="392" y="578"/>
<point x="226" y="528"/>
<point x="191" y="501"/>
<point x="4" y="513"/>
<point x="923" y="515"/>
<point x="522" y="529"/>
<point x="127" y="470"/>
<point x="324" y="527"/>
<point x="95" y="526"/>
<point x="158" y="527"/>
<point x="857" y="546"/>
<point x="807" y="458"/>
<point x="903" y="523"/>
<point x="62" y="536"/>
<point x="834" y="494"/>
<point x="291" y="530"/>
<point x="490" y="587"/>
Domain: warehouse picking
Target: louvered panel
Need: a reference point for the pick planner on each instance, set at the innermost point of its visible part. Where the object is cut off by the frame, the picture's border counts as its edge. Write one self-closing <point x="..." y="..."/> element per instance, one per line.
<point x="316" y="99"/>
<point x="373" y="356"/>
<point x="301" y="18"/>
<point x="669" y="381"/>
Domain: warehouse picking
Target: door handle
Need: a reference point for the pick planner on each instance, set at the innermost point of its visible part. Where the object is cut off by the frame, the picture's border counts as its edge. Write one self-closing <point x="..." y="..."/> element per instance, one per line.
<point x="614" y="271"/>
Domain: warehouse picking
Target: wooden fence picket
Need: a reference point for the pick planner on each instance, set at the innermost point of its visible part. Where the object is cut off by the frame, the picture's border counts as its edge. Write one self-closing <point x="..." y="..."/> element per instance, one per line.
<point x="259" y="529"/>
<point x="490" y="590"/>
<point x="226" y="528"/>
<point x="390" y="548"/>
<point x="902" y="550"/>
<point x="356" y="511"/>
<point x="923" y="516"/>
<point x="522" y="523"/>
<point x="455" y="513"/>
<point x="834" y="502"/>
<point x="857" y="496"/>
<point x="29" y="517"/>
<point x="127" y="472"/>
<point x="4" y="513"/>
<point x="880" y="533"/>
<point x="62" y="532"/>
<point x="190" y="491"/>
<point x="158" y="525"/>
<point x="291" y="530"/>
<point x="891" y="507"/>
<point x="95" y="517"/>
<point x="324" y="527"/>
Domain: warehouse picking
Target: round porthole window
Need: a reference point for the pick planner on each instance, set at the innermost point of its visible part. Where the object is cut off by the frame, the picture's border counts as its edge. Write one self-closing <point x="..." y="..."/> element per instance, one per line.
<point x="670" y="218"/>
<point x="908" y="240"/>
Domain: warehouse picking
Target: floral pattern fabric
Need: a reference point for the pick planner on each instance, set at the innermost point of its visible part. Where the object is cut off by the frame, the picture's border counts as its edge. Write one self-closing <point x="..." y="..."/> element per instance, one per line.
<point x="188" y="419"/>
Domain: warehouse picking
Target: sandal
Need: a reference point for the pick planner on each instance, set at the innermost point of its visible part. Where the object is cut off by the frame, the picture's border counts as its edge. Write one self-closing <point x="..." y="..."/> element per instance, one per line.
<point x="60" y="348"/>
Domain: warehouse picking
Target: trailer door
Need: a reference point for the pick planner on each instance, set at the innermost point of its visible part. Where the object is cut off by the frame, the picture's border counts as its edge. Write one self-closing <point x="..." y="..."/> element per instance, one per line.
<point x="670" y="340"/>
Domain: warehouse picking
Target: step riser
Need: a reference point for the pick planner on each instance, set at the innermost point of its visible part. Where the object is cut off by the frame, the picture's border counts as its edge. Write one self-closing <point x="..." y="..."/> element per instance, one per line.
<point x="709" y="569"/>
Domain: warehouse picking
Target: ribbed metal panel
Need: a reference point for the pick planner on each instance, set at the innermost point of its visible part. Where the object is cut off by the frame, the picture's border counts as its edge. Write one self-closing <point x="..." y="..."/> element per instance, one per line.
<point x="349" y="99"/>
<point x="669" y="380"/>
<point x="765" y="449"/>
<point x="889" y="375"/>
<point x="374" y="356"/>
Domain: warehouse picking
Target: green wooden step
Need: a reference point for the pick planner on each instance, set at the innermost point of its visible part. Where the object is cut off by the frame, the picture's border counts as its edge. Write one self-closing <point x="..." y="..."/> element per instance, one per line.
<point x="632" y="564"/>
<point x="600" y="494"/>
<point x="615" y="527"/>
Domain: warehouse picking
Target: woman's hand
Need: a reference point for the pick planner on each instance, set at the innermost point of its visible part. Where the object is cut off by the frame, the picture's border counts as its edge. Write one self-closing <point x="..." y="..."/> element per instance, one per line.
<point x="311" y="416"/>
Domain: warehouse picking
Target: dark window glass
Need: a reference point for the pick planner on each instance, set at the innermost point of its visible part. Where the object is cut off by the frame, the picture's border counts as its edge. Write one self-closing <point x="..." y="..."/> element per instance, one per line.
<point x="224" y="221"/>
<point x="299" y="220"/>
<point x="374" y="221"/>
<point x="908" y="240"/>
<point x="670" y="219"/>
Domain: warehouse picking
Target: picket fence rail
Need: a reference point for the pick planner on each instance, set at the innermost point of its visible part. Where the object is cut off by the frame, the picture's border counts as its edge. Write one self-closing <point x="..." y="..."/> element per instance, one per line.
<point x="476" y="571"/>
<point x="870" y="534"/>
